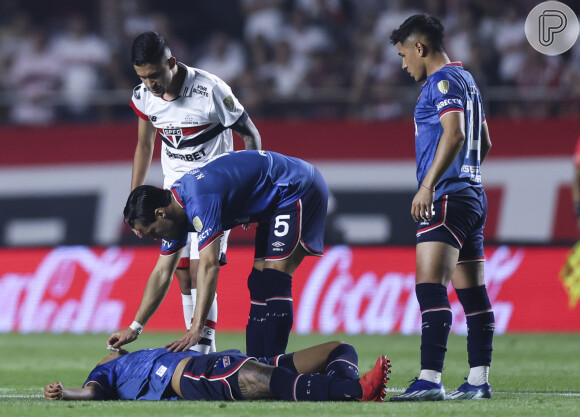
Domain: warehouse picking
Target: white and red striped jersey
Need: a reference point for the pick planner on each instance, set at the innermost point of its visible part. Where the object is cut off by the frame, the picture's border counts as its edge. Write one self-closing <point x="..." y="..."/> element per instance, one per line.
<point x="195" y="126"/>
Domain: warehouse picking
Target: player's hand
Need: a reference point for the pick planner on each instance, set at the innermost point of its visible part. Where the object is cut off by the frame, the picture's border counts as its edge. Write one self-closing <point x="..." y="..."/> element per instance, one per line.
<point x="422" y="206"/>
<point x="54" y="391"/>
<point x="122" y="337"/>
<point x="246" y="226"/>
<point x="184" y="342"/>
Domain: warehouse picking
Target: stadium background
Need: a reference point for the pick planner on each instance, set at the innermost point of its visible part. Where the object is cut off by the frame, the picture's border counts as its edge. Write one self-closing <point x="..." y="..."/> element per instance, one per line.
<point x="321" y="82"/>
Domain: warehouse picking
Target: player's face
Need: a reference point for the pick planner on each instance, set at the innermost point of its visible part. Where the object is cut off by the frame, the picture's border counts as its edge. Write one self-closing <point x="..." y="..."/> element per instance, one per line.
<point x="162" y="228"/>
<point x="413" y="62"/>
<point x="157" y="77"/>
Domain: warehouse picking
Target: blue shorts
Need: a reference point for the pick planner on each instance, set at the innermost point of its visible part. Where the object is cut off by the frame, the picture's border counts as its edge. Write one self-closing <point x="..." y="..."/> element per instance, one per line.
<point x="458" y="221"/>
<point x="212" y="377"/>
<point x="301" y="223"/>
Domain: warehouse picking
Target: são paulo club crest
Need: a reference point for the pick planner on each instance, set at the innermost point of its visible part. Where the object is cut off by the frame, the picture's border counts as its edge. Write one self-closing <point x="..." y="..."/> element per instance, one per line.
<point x="173" y="134"/>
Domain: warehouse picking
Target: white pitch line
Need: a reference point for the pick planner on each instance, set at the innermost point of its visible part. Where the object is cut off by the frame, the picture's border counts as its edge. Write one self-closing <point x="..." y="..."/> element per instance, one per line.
<point x="560" y="394"/>
<point x="557" y="394"/>
<point x="23" y="397"/>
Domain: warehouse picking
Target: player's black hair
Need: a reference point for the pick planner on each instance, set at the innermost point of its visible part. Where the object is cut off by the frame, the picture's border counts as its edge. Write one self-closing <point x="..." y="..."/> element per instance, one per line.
<point x="142" y="203"/>
<point x="149" y="48"/>
<point x="422" y="24"/>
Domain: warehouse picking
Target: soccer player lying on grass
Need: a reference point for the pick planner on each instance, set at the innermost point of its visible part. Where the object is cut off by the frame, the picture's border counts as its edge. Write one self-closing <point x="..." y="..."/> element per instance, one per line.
<point x="326" y="372"/>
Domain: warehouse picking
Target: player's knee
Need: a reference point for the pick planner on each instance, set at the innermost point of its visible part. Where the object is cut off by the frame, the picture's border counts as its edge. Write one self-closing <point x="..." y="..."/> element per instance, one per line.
<point x="278" y="284"/>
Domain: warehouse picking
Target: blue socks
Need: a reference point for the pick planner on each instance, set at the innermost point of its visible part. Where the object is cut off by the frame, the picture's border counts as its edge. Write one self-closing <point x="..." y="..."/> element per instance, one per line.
<point x="271" y="313"/>
<point x="436" y="323"/>
<point x="480" y="324"/>
<point x="279" y="311"/>
<point x="255" y="329"/>
<point x="338" y="383"/>
<point x="290" y="386"/>
<point x="343" y="362"/>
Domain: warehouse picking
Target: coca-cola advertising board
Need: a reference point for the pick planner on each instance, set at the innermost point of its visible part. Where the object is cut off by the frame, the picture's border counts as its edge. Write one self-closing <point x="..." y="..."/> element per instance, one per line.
<point x="351" y="289"/>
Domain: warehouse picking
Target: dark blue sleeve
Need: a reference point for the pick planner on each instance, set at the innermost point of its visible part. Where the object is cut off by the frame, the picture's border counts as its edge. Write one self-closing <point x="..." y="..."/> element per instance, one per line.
<point x="103" y="376"/>
<point x="208" y="220"/>
<point x="447" y="94"/>
<point x="169" y="247"/>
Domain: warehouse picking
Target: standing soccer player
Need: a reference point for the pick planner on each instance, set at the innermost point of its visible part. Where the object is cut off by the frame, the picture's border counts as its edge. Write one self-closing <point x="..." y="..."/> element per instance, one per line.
<point x="194" y="113"/>
<point x="451" y="142"/>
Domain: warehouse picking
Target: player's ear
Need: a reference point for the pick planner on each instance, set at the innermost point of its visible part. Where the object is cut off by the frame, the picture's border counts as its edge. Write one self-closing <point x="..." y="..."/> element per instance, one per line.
<point x="161" y="213"/>
<point x="172" y="62"/>
<point x="420" y="48"/>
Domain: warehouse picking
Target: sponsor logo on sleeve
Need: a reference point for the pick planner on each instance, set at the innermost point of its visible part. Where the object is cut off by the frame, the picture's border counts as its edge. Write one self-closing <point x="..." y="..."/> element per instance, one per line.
<point x="449" y="102"/>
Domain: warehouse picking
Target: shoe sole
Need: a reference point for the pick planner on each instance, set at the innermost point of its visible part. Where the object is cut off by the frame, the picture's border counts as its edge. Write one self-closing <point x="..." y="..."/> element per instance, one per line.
<point x="385" y="364"/>
<point x="416" y="397"/>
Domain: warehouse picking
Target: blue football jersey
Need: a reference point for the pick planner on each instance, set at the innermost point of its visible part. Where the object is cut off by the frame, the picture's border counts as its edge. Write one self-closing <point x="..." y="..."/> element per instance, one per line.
<point x="450" y="89"/>
<point x="236" y="188"/>
<point x="140" y="375"/>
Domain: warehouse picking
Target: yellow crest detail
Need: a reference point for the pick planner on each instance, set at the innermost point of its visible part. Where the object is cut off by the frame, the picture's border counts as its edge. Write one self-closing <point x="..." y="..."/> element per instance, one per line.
<point x="197" y="224"/>
<point x="443" y="86"/>
<point x="570" y="276"/>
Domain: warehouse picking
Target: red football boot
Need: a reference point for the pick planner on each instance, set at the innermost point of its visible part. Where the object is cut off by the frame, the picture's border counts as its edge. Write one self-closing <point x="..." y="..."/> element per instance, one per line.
<point x="373" y="382"/>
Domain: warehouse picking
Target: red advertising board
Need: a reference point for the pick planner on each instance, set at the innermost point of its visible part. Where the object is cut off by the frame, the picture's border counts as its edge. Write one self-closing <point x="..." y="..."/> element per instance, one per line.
<point x="351" y="289"/>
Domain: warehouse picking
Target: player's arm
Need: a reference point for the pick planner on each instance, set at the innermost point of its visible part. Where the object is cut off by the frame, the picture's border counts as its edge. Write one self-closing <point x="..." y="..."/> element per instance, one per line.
<point x="56" y="391"/>
<point x="157" y="286"/>
<point x="207" y="275"/>
<point x="485" y="141"/>
<point x="450" y="144"/>
<point x="143" y="152"/>
<point x="249" y="133"/>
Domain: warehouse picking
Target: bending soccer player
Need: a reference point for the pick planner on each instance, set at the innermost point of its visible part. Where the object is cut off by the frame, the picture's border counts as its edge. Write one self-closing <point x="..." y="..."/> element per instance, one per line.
<point x="326" y="372"/>
<point x="286" y="196"/>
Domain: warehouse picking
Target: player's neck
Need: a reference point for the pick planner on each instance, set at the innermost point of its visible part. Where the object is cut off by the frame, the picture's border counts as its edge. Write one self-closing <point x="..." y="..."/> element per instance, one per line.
<point x="438" y="60"/>
<point x="174" y="89"/>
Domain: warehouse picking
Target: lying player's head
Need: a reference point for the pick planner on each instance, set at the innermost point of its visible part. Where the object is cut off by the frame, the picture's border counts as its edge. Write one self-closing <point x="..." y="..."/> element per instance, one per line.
<point x="113" y="355"/>
<point x="153" y="62"/>
<point x="419" y="36"/>
<point x="147" y="212"/>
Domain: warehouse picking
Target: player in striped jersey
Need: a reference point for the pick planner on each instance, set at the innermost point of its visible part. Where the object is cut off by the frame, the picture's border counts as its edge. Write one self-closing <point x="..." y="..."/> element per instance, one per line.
<point x="194" y="113"/>
<point x="450" y="206"/>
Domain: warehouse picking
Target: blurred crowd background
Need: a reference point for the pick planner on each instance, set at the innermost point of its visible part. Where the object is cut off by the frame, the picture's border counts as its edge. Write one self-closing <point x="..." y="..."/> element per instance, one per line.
<point x="69" y="61"/>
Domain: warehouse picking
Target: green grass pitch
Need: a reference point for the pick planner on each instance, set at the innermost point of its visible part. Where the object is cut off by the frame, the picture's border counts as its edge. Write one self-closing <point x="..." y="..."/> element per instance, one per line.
<point x="532" y="375"/>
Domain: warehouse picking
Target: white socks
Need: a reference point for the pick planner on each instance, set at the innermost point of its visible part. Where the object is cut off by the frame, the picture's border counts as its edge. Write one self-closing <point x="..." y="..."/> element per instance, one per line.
<point x="430" y="375"/>
<point x="187" y="303"/>
<point x="478" y="375"/>
<point x="208" y="330"/>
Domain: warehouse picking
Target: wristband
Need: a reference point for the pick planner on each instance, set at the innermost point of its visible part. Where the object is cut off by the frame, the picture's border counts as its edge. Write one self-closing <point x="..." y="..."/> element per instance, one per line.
<point x="577" y="210"/>
<point x="136" y="327"/>
<point x="430" y="189"/>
